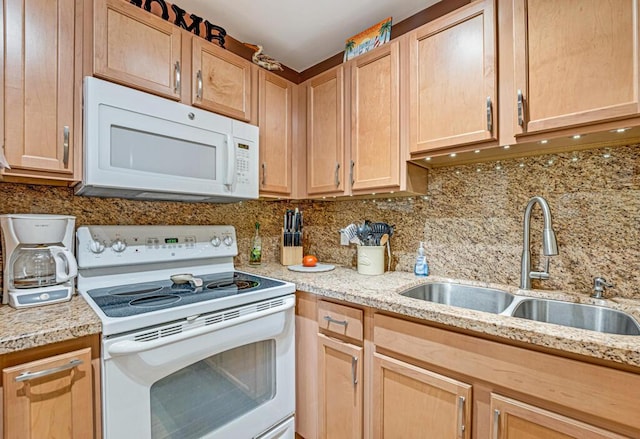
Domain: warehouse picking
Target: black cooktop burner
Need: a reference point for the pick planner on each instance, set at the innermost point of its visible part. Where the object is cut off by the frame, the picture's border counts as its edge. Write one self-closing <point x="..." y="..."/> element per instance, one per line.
<point x="127" y="300"/>
<point x="155" y="300"/>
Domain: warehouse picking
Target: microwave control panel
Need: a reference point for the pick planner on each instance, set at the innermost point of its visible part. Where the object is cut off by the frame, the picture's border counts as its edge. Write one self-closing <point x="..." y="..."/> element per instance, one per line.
<point x="243" y="163"/>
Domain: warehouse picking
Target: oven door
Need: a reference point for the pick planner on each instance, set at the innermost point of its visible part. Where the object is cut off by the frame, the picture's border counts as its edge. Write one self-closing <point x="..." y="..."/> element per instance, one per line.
<point x="228" y="374"/>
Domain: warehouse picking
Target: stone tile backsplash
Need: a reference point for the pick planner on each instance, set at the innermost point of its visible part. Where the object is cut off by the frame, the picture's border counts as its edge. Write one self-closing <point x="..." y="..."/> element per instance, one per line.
<point x="470" y="221"/>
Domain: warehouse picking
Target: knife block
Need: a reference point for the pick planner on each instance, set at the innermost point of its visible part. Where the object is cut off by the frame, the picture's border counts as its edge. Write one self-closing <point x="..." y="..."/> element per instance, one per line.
<point x="290" y="255"/>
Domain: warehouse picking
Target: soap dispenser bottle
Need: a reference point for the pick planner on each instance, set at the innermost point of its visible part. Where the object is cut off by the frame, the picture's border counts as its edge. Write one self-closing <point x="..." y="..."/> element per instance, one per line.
<point x="421" y="268"/>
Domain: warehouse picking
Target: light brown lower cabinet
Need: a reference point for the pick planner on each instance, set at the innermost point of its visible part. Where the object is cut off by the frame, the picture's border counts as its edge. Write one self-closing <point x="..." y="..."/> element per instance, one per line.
<point x="557" y="397"/>
<point x="49" y="398"/>
<point x="340" y="389"/>
<point x="514" y="419"/>
<point x="409" y="401"/>
<point x="52" y="391"/>
<point x="394" y="377"/>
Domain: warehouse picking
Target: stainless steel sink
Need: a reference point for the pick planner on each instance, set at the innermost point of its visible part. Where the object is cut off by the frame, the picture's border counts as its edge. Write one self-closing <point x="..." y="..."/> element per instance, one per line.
<point x="463" y="296"/>
<point x="576" y="315"/>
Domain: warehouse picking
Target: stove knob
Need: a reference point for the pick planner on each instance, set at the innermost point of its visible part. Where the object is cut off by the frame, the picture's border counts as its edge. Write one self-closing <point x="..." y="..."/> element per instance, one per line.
<point x="96" y="247"/>
<point x="228" y="240"/>
<point x="215" y="241"/>
<point x="118" y="246"/>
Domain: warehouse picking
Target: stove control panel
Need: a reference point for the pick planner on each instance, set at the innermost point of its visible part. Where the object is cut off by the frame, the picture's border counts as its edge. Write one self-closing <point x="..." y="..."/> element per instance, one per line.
<point x="104" y="246"/>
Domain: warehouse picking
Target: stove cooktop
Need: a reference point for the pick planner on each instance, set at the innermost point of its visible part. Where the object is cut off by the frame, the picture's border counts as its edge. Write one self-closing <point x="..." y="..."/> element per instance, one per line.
<point x="147" y="297"/>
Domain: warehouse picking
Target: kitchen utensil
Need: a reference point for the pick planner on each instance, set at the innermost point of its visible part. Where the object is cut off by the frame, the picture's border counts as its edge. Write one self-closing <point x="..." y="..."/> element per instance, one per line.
<point x="380" y="229"/>
<point x="363" y="232"/>
<point x="351" y="232"/>
<point x="384" y="238"/>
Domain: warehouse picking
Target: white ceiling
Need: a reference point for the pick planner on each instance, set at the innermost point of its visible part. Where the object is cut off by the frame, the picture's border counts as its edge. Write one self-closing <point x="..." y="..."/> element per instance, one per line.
<point x="300" y="33"/>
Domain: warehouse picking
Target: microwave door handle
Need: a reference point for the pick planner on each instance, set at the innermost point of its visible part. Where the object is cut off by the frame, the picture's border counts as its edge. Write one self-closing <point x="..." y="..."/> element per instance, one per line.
<point x="231" y="162"/>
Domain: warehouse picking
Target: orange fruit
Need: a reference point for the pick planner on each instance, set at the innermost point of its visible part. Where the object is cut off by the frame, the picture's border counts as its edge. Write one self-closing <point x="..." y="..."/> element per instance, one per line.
<point x="309" y="261"/>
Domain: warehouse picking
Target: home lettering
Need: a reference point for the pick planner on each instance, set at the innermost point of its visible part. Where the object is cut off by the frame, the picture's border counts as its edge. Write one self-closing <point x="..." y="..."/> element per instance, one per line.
<point x="176" y="15"/>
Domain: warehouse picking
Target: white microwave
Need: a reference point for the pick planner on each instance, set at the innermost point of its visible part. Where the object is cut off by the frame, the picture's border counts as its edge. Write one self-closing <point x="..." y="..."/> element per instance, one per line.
<point x="144" y="147"/>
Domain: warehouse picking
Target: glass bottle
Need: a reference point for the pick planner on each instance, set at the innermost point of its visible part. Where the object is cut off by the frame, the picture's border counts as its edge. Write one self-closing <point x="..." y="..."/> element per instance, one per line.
<point x="255" y="257"/>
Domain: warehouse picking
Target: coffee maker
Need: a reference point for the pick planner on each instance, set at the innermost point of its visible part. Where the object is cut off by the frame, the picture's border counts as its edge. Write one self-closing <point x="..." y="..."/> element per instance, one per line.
<point x="38" y="262"/>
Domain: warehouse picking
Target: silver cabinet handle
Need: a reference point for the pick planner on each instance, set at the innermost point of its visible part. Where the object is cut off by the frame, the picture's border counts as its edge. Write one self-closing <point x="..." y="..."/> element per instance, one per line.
<point x="177" y="77"/>
<point x="496" y="423"/>
<point x="354" y="370"/>
<point x="520" y="109"/>
<point x="26" y="376"/>
<point x="337" y="176"/>
<point x="199" y="81"/>
<point x="461" y="426"/>
<point x="351" y="172"/>
<point x="65" y="146"/>
<point x="264" y="173"/>
<point x="337" y="322"/>
<point x="489" y="115"/>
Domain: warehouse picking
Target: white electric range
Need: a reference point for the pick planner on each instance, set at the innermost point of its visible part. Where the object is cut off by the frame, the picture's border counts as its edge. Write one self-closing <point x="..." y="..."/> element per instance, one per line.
<point x="209" y="354"/>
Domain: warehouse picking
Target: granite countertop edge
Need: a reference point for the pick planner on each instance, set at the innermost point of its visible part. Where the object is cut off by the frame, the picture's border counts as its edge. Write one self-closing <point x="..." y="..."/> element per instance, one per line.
<point x="382" y="293"/>
<point x="27" y="328"/>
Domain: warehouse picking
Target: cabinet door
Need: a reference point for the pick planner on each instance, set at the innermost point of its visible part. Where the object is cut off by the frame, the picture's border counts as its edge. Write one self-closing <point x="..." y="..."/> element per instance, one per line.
<point x="325" y="133"/>
<point x="56" y="400"/>
<point x="221" y="80"/>
<point x="375" y="119"/>
<point x="517" y="420"/>
<point x="275" y="122"/>
<point x="136" y="48"/>
<point x="576" y="62"/>
<point x="39" y="79"/>
<point x="409" y="401"/>
<point x="452" y="80"/>
<point x="306" y="366"/>
<point x="340" y="389"/>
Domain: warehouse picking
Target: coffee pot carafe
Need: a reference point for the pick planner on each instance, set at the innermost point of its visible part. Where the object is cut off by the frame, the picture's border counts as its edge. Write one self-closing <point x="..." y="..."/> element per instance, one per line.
<point x="39" y="265"/>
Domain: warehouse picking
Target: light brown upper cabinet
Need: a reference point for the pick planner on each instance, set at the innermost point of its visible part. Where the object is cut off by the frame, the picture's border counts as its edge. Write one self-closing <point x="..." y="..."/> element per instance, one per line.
<point x="275" y="120"/>
<point x="136" y="48"/>
<point x="221" y="80"/>
<point x="356" y="143"/>
<point x="374" y="144"/>
<point x="325" y="133"/>
<point x="41" y="89"/>
<point x="576" y="62"/>
<point x="453" y="80"/>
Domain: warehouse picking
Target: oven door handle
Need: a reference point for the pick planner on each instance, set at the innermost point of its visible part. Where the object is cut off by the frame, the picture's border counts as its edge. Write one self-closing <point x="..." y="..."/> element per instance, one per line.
<point x="127" y="347"/>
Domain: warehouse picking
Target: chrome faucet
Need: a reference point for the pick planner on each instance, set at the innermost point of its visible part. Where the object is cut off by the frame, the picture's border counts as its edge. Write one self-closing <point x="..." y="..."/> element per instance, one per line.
<point x="549" y="243"/>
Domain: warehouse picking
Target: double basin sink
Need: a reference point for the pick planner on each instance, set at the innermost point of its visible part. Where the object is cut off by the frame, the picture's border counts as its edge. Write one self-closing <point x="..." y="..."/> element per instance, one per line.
<point x="575" y="315"/>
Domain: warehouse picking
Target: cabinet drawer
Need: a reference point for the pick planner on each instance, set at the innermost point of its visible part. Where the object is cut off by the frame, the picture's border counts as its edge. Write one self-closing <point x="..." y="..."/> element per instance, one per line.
<point x="340" y="320"/>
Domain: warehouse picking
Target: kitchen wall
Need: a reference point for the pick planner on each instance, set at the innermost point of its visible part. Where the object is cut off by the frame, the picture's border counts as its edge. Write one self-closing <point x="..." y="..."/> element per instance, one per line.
<point x="471" y="219"/>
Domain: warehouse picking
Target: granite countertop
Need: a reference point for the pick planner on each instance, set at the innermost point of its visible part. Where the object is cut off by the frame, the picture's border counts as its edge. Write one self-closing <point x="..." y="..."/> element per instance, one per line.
<point x="32" y="327"/>
<point x="382" y="292"/>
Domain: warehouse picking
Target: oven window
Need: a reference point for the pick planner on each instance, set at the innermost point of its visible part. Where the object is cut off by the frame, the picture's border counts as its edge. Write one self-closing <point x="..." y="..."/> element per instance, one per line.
<point x="204" y="396"/>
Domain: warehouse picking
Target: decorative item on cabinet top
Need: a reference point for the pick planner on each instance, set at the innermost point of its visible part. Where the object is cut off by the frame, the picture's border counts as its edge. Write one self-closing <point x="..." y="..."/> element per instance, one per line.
<point x="375" y="36"/>
<point x="262" y="59"/>
<point x="208" y="31"/>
